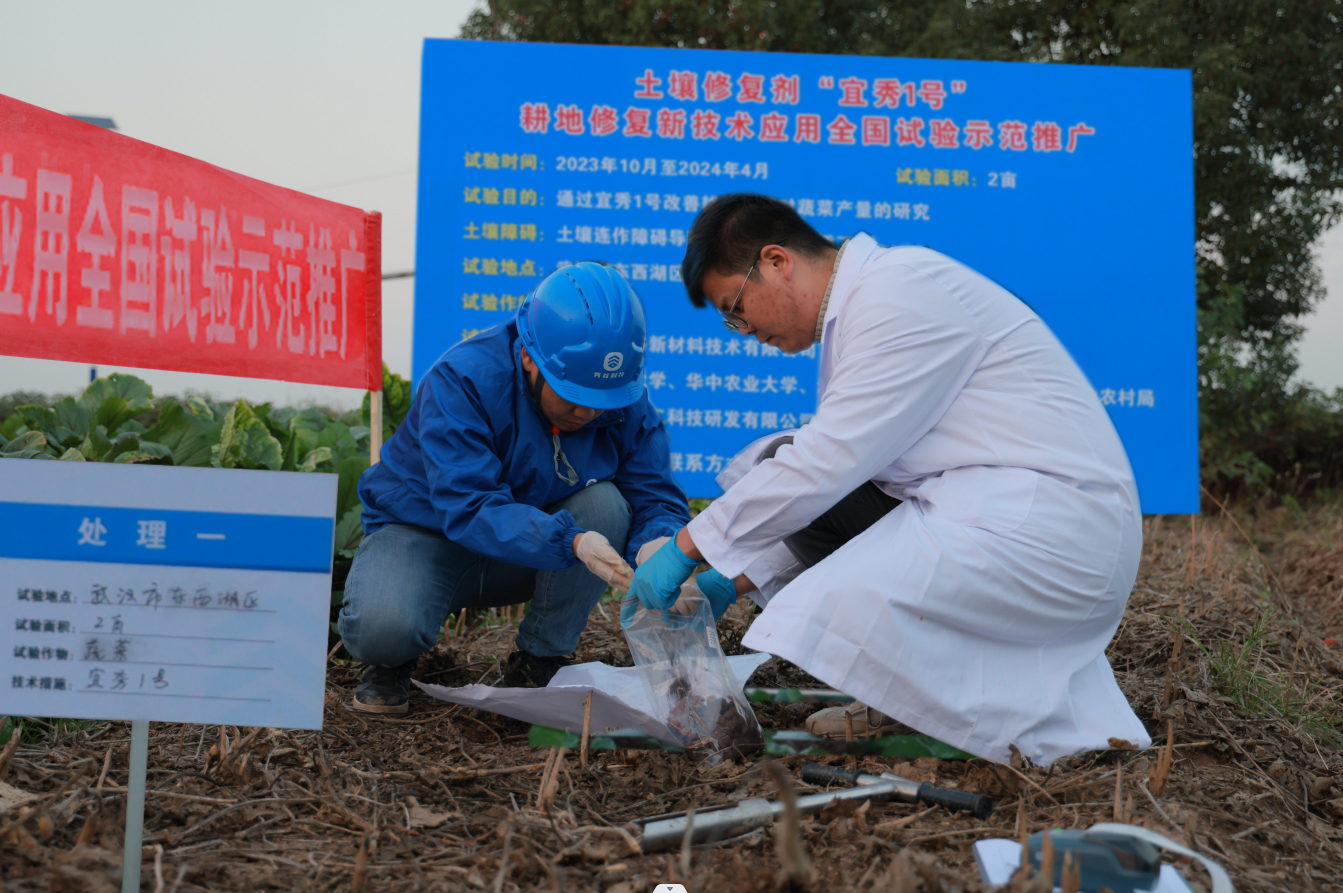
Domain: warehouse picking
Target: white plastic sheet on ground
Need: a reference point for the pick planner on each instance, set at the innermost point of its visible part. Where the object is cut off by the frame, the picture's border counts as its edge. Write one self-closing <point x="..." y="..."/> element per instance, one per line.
<point x="619" y="698"/>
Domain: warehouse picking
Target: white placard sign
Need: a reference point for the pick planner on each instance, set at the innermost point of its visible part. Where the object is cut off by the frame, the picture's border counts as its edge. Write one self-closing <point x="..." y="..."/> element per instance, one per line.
<point x="170" y="594"/>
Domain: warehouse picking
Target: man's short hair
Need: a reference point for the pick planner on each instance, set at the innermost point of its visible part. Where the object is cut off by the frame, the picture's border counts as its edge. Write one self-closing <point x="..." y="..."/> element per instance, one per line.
<point x="731" y="230"/>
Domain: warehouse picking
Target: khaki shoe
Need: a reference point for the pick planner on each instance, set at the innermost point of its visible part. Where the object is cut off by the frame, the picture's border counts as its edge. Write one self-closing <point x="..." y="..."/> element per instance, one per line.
<point x="867" y="722"/>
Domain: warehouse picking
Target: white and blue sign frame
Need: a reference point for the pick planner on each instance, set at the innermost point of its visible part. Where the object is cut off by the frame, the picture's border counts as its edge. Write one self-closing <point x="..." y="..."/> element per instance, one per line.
<point x="1072" y="186"/>
<point x="141" y="592"/>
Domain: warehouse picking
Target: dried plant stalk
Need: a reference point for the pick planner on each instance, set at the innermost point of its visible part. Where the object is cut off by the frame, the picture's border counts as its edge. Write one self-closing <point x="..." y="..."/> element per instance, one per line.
<point x="1119" y="792"/>
<point x="1070" y="881"/>
<point x="1161" y="771"/>
<point x="7" y="753"/>
<point x="900" y="877"/>
<point x="360" y="878"/>
<point x="792" y="854"/>
<point x="686" y="842"/>
<point x="848" y="736"/>
<point x="550" y="779"/>
<point x="1044" y="881"/>
<point x="587" y="731"/>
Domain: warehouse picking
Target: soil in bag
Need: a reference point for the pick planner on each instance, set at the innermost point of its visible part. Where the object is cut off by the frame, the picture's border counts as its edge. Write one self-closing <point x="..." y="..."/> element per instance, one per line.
<point x="690" y="686"/>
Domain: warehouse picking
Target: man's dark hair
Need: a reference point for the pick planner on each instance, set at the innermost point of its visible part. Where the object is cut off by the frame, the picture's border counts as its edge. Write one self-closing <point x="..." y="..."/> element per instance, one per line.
<point x="731" y="229"/>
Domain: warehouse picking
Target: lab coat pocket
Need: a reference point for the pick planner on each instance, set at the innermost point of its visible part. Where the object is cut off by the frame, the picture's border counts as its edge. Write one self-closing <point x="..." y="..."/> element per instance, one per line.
<point x="993" y="498"/>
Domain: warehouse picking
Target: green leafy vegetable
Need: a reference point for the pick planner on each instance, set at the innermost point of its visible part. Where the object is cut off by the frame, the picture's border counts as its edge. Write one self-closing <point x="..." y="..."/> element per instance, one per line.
<point x="117" y="419"/>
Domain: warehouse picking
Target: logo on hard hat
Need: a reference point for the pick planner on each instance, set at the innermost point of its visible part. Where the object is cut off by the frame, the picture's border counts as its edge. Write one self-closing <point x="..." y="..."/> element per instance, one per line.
<point x="614" y="360"/>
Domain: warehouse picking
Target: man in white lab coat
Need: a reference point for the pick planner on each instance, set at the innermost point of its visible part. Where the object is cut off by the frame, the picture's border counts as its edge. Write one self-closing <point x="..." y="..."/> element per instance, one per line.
<point x="953" y="536"/>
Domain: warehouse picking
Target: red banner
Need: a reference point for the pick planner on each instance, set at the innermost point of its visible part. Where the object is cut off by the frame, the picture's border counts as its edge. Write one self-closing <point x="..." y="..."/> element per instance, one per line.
<point x="116" y="252"/>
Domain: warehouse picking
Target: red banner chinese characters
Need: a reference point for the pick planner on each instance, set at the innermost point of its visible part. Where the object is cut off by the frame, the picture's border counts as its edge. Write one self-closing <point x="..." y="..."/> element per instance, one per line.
<point x="116" y="252"/>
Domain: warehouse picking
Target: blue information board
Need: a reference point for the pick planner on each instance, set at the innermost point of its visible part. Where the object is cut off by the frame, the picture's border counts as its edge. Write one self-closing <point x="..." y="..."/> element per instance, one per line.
<point x="1072" y="186"/>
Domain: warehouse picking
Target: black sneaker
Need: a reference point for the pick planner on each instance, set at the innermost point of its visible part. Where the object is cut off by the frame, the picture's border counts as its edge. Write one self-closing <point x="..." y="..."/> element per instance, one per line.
<point x="525" y="670"/>
<point x="384" y="689"/>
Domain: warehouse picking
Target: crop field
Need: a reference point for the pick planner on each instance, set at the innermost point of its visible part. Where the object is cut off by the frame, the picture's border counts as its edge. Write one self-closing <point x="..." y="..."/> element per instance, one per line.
<point x="1227" y="652"/>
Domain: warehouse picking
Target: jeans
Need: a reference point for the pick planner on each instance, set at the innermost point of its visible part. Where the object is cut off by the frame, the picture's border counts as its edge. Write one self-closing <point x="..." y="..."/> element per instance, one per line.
<point x="843" y="521"/>
<point x="406" y="581"/>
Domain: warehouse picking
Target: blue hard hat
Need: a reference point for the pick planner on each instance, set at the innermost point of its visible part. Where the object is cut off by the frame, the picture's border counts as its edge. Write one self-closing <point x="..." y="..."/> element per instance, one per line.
<point x="585" y="328"/>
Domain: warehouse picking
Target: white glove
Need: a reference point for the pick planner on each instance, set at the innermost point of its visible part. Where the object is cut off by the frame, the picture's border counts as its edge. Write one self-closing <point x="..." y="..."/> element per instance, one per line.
<point x="688" y="601"/>
<point x="648" y="548"/>
<point x="595" y="551"/>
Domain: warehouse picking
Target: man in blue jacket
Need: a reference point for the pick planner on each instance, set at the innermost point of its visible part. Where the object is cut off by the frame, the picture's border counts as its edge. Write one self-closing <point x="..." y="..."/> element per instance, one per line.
<point x="531" y="467"/>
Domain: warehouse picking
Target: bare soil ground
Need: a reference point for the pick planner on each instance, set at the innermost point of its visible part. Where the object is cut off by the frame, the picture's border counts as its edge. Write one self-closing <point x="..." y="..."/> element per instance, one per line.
<point x="1229" y="652"/>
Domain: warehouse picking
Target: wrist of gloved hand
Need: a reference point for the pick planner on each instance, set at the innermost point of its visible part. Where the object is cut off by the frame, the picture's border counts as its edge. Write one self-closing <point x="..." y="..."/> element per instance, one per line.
<point x="657" y="582"/>
<point x="648" y="549"/>
<point x="600" y="557"/>
<point x="718" y="589"/>
<point x="629" y="606"/>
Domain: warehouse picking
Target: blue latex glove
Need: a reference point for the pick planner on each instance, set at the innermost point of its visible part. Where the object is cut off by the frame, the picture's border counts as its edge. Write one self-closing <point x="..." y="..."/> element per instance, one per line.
<point x="657" y="582"/>
<point x="718" y="589"/>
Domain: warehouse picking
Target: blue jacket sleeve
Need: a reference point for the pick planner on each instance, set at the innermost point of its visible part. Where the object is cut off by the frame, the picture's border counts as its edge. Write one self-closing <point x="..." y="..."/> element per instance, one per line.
<point x="657" y="503"/>
<point x="466" y="485"/>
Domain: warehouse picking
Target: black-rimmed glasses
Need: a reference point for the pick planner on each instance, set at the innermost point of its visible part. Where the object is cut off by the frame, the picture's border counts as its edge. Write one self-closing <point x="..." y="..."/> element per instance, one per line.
<point x="730" y="318"/>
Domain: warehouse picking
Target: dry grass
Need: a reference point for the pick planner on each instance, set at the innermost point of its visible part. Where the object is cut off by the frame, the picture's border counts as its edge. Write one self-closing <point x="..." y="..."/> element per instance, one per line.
<point x="1221" y="648"/>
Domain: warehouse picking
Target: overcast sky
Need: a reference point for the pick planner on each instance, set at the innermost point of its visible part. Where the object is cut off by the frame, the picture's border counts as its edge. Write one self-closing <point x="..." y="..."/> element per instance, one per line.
<point x="319" y="97"/>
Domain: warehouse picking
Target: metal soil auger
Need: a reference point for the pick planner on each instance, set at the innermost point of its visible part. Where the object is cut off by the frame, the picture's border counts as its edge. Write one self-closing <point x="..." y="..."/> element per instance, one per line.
<point x="978" y="805"/>
<point x="720" y="824"/>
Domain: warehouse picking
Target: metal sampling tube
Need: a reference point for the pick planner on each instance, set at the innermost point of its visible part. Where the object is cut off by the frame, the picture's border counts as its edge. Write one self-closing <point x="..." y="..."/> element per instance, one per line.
<point x="723" y="823"/>
<point x="750" y="814"/>
<point x="978" y="805"/>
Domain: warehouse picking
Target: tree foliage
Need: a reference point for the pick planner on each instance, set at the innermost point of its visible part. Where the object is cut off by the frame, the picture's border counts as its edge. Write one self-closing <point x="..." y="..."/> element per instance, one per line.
<point x="1261" y="431"/>
<point x="117" y="419"/>
<point x="1268" y="145"/>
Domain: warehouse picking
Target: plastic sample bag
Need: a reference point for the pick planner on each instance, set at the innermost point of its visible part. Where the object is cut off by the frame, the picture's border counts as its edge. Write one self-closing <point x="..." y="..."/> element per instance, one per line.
<point x="690" y="686"/>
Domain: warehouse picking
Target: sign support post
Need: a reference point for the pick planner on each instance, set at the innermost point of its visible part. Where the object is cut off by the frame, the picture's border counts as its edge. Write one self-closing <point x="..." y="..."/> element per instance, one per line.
<point x="375" y="426"/>
<point x="135" y="806"/>
<point x="241" y="557"/>
<point x="373" y="329"/>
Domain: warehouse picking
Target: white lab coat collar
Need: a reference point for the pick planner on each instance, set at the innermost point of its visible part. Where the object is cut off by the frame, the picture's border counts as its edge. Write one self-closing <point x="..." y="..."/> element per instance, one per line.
<point x="856" y="254"/>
